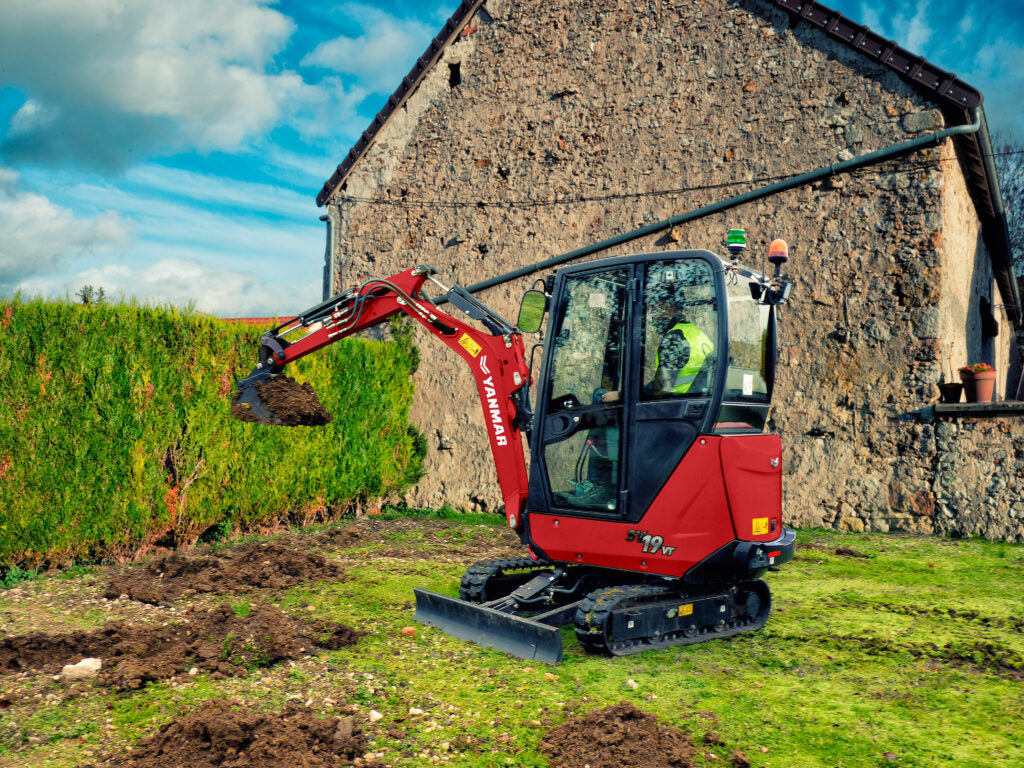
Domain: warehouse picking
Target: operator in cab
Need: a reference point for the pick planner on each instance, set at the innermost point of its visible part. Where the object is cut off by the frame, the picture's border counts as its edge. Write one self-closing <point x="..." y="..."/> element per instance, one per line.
<point x="679" y="367"/>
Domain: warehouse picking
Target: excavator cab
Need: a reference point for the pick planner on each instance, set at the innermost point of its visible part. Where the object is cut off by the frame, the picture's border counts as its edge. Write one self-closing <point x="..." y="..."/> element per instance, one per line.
<point x="655" y="388"/>
<point x="643" y="354"/>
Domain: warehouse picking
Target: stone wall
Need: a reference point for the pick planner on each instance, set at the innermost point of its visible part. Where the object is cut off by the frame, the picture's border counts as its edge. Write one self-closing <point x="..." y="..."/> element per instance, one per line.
<point x="573" y="123"/>
<point x="979" y="477"/>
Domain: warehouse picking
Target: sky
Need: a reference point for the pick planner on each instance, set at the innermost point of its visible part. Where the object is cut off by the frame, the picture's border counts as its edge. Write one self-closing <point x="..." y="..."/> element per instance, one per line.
<point x="171" y="153"/>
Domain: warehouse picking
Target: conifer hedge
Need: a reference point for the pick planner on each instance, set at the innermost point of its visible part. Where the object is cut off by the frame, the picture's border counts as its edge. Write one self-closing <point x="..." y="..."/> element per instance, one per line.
<point x="116" y="435"/>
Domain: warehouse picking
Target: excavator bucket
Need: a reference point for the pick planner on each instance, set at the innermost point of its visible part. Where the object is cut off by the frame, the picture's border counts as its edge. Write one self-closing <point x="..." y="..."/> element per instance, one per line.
<point x="278" y="400"/>
<point x="523" y="637"/>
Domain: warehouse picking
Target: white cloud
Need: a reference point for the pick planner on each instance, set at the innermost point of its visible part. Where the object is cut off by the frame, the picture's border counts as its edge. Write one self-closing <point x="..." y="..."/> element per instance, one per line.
<point x="918" y="30"/>
<point x="113" y="81"/>
<point x="159" y="181"/>
<point x="381" y="56"/>
<point x="911" y="32"/>
<point x="40" y="237"/>
<point x="184" y="282"/>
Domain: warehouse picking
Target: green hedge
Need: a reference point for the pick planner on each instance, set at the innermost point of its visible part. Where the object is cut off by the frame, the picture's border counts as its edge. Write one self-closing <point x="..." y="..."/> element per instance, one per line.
<point x="115" y="433"/>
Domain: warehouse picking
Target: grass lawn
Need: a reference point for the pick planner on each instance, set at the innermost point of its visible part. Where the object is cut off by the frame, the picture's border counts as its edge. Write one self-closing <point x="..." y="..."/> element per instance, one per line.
<point x="912" y="655"/>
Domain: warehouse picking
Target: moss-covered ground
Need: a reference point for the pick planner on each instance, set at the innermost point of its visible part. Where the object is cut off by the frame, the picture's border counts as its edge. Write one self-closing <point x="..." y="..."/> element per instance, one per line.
<point x="902" y="650"/>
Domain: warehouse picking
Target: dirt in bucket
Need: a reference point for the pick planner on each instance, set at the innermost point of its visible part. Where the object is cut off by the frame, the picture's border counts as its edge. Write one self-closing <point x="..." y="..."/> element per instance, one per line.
<point x="217" y="641"/>
<point x="291" y="404"/>
<point x="225" y="733"/>
<point x="248" y="567"/>
<point x="620" y="736"/>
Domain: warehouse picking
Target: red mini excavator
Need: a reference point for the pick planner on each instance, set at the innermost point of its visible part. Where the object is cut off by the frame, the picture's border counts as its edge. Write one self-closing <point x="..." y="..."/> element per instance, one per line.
<point x="653" y="503"/>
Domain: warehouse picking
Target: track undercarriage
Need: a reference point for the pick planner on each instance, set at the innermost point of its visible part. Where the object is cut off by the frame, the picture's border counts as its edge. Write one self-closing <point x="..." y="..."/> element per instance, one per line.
<point x="519" y="606"/>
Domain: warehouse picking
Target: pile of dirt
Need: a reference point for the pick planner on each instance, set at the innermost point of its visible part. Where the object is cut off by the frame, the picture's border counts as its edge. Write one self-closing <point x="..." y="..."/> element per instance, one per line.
<point x="251" y="566"/>
<point x="811" y="546"/>
<point x="338" y="538"/>
<point x="620" y="736"/>
<point x="848" y="552"/>
<point x="290" y="404"/>
<point x="223" y="733"/>
<point x="216" y="641"/>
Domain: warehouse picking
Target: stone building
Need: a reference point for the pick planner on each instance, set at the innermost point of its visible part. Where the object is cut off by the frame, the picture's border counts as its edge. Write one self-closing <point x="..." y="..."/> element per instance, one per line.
<point x="529" y="129"/>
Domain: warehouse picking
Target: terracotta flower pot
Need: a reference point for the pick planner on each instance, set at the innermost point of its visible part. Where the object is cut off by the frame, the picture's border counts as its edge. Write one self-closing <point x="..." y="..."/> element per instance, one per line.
<point x="984" y="386"/>
<point x="951" y="391"/>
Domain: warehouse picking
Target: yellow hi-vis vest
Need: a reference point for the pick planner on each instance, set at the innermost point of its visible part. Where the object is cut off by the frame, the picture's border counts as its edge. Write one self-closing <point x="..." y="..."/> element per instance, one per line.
<point x="700" y="347"/>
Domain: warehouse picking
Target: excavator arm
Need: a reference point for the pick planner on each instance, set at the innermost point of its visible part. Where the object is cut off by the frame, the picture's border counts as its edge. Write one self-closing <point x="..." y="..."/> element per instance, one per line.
<point x="495" y="357"/>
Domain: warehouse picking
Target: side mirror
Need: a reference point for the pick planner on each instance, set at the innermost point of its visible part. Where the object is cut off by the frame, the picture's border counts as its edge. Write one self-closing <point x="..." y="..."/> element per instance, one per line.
<point x="531" y="311"/>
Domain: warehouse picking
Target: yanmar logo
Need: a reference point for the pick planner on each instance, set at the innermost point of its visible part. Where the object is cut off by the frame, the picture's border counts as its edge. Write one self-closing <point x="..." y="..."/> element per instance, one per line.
<point x="492" y="407"/>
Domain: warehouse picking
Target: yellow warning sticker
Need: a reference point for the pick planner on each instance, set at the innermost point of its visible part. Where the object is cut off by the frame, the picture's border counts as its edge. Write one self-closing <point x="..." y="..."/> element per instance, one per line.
<point x="469" y="345"/>
<point x="686" y="610"/>
<point x="760" y="526"/>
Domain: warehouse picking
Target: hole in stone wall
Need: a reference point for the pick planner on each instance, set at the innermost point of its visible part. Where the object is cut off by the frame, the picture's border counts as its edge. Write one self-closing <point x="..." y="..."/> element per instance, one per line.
<point x="454" y="74"/>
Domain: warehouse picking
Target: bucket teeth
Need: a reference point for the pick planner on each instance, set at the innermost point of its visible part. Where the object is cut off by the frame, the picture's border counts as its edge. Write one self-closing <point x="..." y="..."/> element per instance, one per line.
<point x="247" y="405"/>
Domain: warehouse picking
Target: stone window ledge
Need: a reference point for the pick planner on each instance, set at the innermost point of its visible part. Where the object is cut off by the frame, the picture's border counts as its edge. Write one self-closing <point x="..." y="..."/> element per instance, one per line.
<point x="980" y="410"/>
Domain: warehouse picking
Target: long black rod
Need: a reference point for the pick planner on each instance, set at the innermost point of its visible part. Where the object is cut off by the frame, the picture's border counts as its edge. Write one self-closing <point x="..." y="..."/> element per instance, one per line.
<point x="872" y="158"/>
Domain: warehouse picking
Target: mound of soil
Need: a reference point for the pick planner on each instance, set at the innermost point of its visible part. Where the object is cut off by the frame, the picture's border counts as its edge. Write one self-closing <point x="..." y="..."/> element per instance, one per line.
<point x="290" y="404"/>
<point x="216" y="641"/>
<point x="262" y="566"/>
<point x="223" y="733"/>
<point x="621" y="736"/>
<point x="847" y="552"/>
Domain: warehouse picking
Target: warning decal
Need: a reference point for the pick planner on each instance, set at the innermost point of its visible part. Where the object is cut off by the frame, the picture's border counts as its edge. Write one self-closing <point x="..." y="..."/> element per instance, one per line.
<point x="469" y="345"/>
<point x="760" y="526"/>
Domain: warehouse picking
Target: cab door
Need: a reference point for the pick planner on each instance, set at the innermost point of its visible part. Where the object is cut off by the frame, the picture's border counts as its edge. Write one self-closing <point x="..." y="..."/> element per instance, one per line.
<point x="578" y="451"/>
<point x="679" y="342"/>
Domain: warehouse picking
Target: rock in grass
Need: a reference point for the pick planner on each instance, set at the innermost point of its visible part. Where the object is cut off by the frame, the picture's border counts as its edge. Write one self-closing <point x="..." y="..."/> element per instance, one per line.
<point x="86" y="669"/>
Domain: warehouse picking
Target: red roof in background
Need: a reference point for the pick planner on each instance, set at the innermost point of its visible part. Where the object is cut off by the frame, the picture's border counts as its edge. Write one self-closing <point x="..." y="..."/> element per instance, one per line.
<point x="268" y="321"/>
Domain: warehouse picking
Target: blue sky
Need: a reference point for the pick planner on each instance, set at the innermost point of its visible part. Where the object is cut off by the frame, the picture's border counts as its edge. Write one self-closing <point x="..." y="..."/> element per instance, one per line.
<point x="172" y="152"/>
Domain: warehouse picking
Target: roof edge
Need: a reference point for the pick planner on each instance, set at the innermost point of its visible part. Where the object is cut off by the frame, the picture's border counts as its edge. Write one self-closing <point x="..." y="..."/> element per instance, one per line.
<point x="947" y="87"/>
<point x="452" y="28"/>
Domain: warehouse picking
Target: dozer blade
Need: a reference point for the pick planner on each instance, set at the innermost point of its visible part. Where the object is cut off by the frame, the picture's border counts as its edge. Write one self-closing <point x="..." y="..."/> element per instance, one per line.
<point x="506" y="632"/>
<point x="278" y="400"/>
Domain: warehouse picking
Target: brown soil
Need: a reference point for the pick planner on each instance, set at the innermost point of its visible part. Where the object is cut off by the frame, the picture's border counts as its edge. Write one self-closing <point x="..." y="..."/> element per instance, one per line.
<point x="620" y="736"/>
<point x="250" y="566"/>
<point x="222" y="733"/>
<point x="291" y="404"/>
<point x="988" y="656"/>
<point x="847" y="552"/>
<point x="961" y="615"/>
<point x="216" y="641"/>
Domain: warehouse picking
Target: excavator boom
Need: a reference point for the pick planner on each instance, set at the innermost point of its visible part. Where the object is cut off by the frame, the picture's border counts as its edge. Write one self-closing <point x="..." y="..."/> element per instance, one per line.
<point x="495" y="357"/>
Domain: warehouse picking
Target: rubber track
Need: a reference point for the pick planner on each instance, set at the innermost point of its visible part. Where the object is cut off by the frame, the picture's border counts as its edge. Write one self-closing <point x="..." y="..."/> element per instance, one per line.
<point x="594" y="613"/>
<point x="595" y="610"/>
<point x="474" y="580"/>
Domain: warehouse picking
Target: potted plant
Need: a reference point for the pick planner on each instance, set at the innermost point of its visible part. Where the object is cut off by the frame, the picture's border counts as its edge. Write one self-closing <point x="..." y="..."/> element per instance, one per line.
<point x="950" y="390"/>
<point x="983" y="383"/>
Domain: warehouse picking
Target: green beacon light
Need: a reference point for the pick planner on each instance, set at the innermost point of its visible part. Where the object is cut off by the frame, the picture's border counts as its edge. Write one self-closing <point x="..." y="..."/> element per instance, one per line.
<point x="736" y="242"/>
